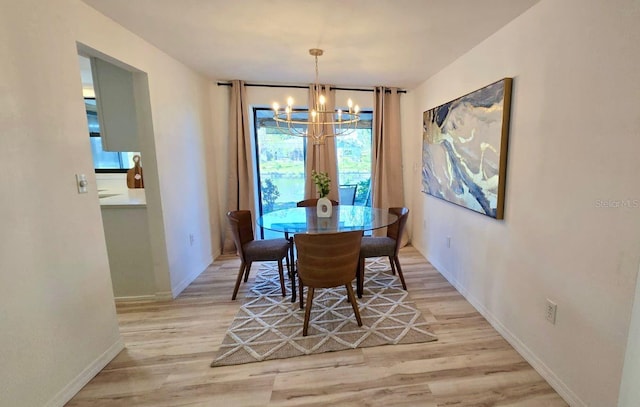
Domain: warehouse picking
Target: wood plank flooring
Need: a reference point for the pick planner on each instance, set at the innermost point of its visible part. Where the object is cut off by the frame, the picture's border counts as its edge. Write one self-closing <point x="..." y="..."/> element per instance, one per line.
<point x="169" y="346"/>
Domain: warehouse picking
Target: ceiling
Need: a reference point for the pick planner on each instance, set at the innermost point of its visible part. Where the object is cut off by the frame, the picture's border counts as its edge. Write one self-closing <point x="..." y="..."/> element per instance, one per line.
<point x="366" y="42"/>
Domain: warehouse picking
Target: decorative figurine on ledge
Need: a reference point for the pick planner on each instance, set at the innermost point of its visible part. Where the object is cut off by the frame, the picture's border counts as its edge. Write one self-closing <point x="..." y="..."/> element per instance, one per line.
<point x="134" y="175"/>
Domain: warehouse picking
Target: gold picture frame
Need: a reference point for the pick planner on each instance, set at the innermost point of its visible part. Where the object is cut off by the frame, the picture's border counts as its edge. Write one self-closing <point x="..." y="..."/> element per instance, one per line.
<point x="464" y="153"/>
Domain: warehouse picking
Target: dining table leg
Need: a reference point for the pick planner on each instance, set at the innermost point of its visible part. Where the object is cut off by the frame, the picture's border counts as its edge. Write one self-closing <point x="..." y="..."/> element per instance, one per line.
<point x="292" y="271"/>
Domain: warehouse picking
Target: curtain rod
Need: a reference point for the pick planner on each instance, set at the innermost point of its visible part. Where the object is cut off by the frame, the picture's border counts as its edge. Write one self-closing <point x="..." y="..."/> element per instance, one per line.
<point x="264" y="85"/>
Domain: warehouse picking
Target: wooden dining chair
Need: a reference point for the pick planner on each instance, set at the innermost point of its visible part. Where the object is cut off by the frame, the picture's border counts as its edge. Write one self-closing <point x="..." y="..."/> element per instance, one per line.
<point x="388" y="246"/>
<point x="251" y="250"/>
<point x="313" y="202"/>
<point x="328" y="260"/>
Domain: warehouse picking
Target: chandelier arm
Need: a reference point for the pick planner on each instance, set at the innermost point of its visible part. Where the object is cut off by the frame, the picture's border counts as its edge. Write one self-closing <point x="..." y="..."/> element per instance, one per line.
<point x="316" y="123"/>
<point x="351" y="118"/>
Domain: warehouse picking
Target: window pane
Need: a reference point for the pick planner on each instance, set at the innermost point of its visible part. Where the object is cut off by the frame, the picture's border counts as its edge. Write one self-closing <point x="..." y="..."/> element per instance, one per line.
<point x="103" y="159"/>
<point x="354" y="159"/>
<point x="92" y="115"/>
<point x="280" y="164"/>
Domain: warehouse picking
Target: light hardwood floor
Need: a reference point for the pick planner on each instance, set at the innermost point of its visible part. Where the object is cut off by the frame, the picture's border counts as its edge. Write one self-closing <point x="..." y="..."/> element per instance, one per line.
<point x="169" y="346"/>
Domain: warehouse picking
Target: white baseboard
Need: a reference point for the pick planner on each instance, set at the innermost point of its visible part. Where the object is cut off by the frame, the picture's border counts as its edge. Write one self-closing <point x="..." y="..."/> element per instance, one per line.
<point x="86" y="375"/>
<point x="175" y="291"/>
<point x="163" y="296"/>
<point x="158" y="296"/>
<point x="150" y="297"/>
<point x="554" y="381"/>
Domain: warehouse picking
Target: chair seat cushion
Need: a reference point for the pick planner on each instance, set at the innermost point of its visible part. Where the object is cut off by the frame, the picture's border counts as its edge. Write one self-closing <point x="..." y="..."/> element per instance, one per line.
<point x="377" y="247"/>
<point x="266" y="250"/>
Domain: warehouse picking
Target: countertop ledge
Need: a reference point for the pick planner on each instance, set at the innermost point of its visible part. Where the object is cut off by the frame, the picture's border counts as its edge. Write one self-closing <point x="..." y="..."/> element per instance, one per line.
<point x="124" y="199"/>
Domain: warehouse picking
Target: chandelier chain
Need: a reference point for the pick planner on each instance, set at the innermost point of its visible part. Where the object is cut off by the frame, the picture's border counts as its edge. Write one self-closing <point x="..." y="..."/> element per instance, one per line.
<point x="317" y="81"/>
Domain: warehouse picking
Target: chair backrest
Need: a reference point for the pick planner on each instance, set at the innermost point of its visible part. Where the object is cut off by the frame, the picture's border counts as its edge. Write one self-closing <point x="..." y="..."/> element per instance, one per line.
<point x="348" y="194"/>
<point x="241" y="228"/>
<point x="328" y="259"/>
<point x="313" y="202"/>
<point x="394" y="231"/>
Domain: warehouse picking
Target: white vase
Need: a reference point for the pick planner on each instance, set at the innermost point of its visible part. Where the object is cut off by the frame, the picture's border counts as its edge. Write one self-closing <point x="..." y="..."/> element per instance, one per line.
<point x="324" y="207"/>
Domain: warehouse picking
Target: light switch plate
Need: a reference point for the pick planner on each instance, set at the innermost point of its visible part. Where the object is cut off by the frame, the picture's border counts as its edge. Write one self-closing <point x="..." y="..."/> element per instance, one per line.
<point x="82" y="183"/>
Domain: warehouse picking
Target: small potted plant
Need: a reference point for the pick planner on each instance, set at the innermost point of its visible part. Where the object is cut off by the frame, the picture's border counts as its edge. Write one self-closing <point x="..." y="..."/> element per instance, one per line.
<point x="323" y="185"/>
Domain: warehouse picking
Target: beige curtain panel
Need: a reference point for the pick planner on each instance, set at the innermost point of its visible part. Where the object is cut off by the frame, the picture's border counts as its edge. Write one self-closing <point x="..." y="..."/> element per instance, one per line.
<point x="322" y="157"/>
<point x="240" y="191"/>
<point x="386" y="174"/>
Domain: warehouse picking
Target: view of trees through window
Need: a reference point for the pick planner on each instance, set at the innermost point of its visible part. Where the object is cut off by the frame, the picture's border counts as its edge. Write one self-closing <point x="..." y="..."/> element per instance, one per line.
<point x="280" y="162"/>
<point x="281" y="158"/>
<point x="354" y="159"/>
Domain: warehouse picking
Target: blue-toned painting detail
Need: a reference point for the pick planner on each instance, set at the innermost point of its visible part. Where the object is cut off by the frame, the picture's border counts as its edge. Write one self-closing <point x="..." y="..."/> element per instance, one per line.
<point x="464" y="149"/>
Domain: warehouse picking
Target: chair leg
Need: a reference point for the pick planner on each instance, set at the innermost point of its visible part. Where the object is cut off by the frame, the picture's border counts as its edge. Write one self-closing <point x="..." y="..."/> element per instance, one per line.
<point x="393" y="267"/>
<point x="293" y="273"/>
<point x="238" y="280"/>
<point x="307" y="312"/>
<point x="293" y="286"/>
<point x="288" y="265"/>
<point x="354" y="304"/>
<point x="301" y="293"/>
<point x="360" y="277"/>
<point x="397" y="261"/>
<point x="280" y="271"/>
<point x="246" y="272"/>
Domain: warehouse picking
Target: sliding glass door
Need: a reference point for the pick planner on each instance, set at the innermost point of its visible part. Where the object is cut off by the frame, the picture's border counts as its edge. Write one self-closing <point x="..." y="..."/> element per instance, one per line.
<point x="280" y="162"/>
<point x="354" y="163"/>
<point x="280" y="166"/>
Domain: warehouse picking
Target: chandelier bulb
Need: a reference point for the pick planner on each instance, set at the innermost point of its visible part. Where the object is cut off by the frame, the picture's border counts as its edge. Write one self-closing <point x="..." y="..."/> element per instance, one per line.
<point x="356" y="109"/>
<point x="290" y="101"/>
<point x="276" y="106"/>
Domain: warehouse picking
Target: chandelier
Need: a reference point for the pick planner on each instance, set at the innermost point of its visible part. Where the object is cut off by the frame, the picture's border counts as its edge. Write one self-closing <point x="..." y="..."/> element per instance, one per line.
<point x="316" y="122"/>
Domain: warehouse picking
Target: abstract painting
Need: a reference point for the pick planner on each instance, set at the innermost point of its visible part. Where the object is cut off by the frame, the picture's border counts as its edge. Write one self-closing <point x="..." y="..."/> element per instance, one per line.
<point x="464" y="149"/>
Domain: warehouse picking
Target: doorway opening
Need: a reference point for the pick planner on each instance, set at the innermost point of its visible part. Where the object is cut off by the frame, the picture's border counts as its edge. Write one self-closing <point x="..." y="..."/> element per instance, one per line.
<point x="120" y="139"/>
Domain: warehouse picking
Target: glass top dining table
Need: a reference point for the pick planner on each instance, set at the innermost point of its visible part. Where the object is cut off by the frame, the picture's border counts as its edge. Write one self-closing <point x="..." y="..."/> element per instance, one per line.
<point x="344" y="218"/>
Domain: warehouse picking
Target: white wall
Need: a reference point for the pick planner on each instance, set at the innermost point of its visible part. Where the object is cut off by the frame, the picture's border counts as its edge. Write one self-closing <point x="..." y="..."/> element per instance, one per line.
<point x="58" y="316"/>
<point x="58" y="313"/>
<point x="573" y="144"/>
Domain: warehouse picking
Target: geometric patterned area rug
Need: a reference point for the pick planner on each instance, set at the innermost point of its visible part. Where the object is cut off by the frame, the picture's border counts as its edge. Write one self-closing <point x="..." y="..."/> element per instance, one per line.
<point x="269" y="326"/>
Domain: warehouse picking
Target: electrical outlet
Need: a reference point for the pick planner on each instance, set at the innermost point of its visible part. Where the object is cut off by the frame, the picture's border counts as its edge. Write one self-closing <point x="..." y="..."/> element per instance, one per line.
<point x="550" y="311"/>
<point x="448" y="242"/>
<point x="191" y="239"/>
